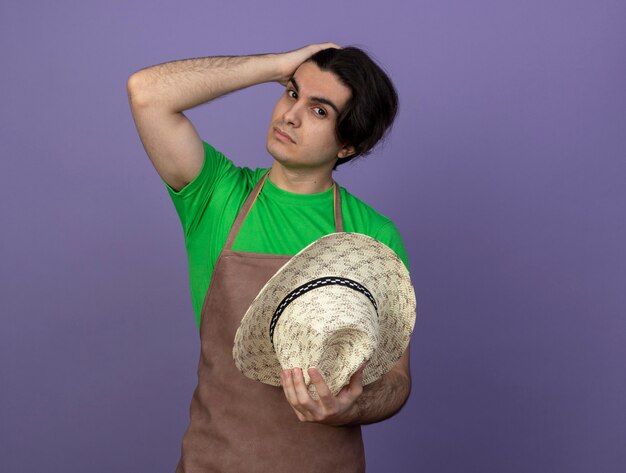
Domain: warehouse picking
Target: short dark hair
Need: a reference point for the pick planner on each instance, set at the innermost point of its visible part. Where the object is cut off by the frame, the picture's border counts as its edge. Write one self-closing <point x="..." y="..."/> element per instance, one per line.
<point x="373" y="106"/>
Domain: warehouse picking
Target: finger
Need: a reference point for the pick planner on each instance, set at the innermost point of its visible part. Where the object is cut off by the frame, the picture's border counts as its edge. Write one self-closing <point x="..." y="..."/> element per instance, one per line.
<point x="294" y="408"/>
<point x="290" y="393"/>
<point x="286" y="378"/>
<point x="314" y="48"/>
<point x="356" y="380"/>
<point x="299" y="414"/>
<point x="355" y="385"/>
<point x="323" y="391"/>
<point x="302" y="392"/>
<point x="330" y="45"/>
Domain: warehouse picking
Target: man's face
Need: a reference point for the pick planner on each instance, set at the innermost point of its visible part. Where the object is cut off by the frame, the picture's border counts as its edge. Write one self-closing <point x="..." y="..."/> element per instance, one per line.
<point x="302" y="131"/>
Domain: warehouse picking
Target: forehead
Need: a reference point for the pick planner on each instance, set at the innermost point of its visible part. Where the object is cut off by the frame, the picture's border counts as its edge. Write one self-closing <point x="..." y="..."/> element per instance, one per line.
<point x="314" y="82"/>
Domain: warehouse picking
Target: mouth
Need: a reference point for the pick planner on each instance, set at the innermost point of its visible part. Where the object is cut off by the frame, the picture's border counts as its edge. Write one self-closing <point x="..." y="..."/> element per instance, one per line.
<point x="282" y="136"/>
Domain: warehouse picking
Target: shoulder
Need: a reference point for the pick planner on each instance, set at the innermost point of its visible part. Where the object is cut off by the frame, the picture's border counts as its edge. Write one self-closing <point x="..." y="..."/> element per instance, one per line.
<point x="361" y="217"/>
<point x="220" y="186"/>
<point x="365" y="217"/>
<point x="218" y="171"/>
<point x="229" y="171"/>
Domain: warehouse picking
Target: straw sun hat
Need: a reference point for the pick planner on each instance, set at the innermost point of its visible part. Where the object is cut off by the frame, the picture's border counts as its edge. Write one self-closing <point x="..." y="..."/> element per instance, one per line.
<point x="343" y="300"/>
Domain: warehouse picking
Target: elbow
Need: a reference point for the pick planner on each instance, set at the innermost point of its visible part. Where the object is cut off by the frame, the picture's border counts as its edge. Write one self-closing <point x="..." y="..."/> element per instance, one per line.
<point x="404" y="391"/>
<point x="137" y="89"/>
<point x="401" y="392"/>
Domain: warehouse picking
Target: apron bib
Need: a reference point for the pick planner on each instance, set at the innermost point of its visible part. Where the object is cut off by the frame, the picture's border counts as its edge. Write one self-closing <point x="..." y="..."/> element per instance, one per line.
<point x="238" y="425"/>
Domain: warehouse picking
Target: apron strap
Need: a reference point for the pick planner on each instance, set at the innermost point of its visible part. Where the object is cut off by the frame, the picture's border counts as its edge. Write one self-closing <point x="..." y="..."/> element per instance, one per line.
<point x="247" y="205"/>
<point x="338" y="213"/>
<point x="241" y="216"/>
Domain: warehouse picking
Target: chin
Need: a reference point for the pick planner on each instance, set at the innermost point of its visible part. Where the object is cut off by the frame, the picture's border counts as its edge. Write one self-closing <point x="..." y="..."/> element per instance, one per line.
<point x="276" y="153"/>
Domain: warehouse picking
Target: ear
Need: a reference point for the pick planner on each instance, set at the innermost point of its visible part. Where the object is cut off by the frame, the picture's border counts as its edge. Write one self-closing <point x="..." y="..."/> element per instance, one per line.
<point x="345" y="152"/>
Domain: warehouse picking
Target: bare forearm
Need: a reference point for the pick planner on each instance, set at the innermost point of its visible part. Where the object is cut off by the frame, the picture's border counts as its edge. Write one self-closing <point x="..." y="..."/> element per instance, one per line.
<point x="181" y="85"/>
<point x="382" y="399"/>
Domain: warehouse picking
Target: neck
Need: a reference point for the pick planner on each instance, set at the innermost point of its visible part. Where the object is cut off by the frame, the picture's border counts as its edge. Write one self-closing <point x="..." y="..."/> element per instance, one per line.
<point x="301" y="181"/>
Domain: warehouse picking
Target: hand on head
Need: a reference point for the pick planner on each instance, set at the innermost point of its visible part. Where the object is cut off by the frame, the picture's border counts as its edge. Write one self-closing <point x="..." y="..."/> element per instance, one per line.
<point x="293" y="59"/>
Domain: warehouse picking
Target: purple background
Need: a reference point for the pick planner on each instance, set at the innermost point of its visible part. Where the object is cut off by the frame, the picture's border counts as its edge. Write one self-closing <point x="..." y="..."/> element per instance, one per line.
<point x="505" y="174"/>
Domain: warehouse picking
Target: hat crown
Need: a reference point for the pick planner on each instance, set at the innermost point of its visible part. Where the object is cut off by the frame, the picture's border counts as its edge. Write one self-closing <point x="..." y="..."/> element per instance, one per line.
<point x="332" y="328"/>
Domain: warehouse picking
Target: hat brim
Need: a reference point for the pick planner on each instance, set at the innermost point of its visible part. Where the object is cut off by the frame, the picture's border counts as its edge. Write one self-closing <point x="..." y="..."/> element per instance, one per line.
<point x="344" y="255"/>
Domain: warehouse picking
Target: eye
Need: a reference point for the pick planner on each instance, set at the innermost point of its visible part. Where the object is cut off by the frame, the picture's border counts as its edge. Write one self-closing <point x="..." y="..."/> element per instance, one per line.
<point x="320" y="112"/>
<point x="292" y="93"/>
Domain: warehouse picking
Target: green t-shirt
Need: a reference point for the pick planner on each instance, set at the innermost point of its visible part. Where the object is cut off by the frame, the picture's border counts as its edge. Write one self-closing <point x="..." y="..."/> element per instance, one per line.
<point x="279" y="222"/>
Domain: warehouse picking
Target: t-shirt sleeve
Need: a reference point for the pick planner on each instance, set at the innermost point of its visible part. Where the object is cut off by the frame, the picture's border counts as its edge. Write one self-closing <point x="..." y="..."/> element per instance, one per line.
<point x="192" y="200"/>
<point x="390" y="236"/>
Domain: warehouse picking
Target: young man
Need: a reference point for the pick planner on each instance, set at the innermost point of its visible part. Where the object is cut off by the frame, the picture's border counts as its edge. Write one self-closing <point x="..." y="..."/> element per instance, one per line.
<point x="239" y="224"/>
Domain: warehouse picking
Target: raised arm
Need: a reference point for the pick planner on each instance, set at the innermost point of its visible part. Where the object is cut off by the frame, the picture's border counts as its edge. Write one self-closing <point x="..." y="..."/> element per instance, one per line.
<point x="354" y="404"/>
<point x="159" y="95"/>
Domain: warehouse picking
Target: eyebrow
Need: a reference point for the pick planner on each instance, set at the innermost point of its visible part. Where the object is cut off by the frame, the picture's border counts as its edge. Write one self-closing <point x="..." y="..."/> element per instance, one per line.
<point x="315" y="99"/>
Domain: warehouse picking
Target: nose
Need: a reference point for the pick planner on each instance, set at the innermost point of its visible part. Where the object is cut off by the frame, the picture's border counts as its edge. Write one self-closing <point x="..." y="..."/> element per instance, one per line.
<point x="292" y="115"/>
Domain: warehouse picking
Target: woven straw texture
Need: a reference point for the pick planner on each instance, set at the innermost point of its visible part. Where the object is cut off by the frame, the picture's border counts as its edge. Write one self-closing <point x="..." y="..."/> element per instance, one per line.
<point x="333" y="328"/>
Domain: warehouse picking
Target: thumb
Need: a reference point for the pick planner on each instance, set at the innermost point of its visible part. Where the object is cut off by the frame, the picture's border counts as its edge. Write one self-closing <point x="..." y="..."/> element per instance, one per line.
<point x="357" y="378"/>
